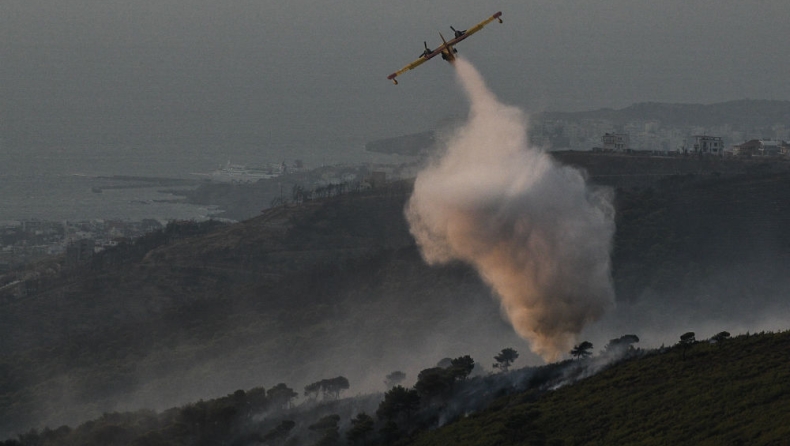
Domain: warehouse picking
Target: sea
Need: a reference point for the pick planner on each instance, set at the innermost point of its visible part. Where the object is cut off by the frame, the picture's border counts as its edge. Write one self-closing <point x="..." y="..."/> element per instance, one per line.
<point x="82" y="181"/>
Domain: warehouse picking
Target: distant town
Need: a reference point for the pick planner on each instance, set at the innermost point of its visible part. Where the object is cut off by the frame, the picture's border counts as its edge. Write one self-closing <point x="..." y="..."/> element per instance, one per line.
<point x="651" y="137"/>
<point x="29" y="240"/>
<point x="737" y="128"/>
<point x="25" y="241"/>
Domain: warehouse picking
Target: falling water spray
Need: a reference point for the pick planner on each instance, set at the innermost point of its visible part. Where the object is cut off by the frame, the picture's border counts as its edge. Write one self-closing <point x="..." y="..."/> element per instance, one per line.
<point x="535" y="230"/>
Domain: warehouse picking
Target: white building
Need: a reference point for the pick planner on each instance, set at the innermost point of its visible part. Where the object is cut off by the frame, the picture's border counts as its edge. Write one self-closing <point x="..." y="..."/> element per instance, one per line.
<point x="709" y="145"/>
<point x="615" y="142"/>
<point x="770" y="147"/>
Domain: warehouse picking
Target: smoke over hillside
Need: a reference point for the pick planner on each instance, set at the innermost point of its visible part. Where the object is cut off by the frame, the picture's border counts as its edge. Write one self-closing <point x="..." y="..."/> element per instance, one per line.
<point x="536" y="231"/>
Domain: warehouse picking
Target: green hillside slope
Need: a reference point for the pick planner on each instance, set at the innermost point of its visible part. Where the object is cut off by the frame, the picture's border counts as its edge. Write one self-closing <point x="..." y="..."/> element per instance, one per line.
<point x="736" y="392"/>
<point x="731" y="392"/>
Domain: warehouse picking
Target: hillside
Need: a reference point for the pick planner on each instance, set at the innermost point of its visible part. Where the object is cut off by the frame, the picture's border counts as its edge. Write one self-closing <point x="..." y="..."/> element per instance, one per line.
<point x="337" y="287"/>
<point x="730" y="392"/>
<point x="293" y="295"/>
<point x="734" y="392"/>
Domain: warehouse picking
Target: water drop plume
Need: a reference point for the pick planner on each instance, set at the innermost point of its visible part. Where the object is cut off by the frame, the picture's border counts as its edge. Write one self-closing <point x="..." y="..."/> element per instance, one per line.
<point x="535" y="230"/>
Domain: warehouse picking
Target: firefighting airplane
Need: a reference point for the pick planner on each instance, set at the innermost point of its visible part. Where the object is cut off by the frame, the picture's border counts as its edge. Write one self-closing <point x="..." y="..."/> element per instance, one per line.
<point x="446" y="49"/>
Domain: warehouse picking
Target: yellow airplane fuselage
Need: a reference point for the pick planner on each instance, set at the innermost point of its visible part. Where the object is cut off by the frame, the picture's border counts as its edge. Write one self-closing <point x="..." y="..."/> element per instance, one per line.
<point x="448" y="52"/>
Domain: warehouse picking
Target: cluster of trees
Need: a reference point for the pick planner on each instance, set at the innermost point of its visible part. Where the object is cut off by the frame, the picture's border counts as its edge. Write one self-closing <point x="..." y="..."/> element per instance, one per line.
<point x="623" y="346"/>
<point x="330" y="388"/>
<point x="327" y="429"/>
<point x="202" y="423"/>
<point x="615" y="348"/>
<point x="299" y="194"/>
<point x="234" y="419"/>
<point x="361" y="429"/>
<point x="688" y="339"/>
<point x="404" y="410"/>
<point x="725" y="378"/>
<point x="432" y="384"/>
<point x="445" y="392"/>
<point x="281" y="396"/>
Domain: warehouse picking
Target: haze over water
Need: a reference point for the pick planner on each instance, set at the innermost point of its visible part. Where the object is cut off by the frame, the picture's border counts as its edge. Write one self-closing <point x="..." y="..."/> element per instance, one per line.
<point x="52" y="180"/>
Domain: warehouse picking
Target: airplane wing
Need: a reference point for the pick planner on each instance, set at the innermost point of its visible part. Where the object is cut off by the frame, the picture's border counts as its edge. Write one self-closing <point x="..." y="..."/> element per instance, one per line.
<point x="411" y="66"/>
<point x="475" y="29"/>
<point x="439" y="50"/>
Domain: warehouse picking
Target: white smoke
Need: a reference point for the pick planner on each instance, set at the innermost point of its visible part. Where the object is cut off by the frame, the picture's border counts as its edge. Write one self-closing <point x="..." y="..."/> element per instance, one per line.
<point x="536" y="232"/>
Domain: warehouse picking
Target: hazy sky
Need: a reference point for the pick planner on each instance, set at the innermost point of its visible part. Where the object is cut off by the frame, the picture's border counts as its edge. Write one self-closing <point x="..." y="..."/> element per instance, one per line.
<point x="271" y="72"/>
